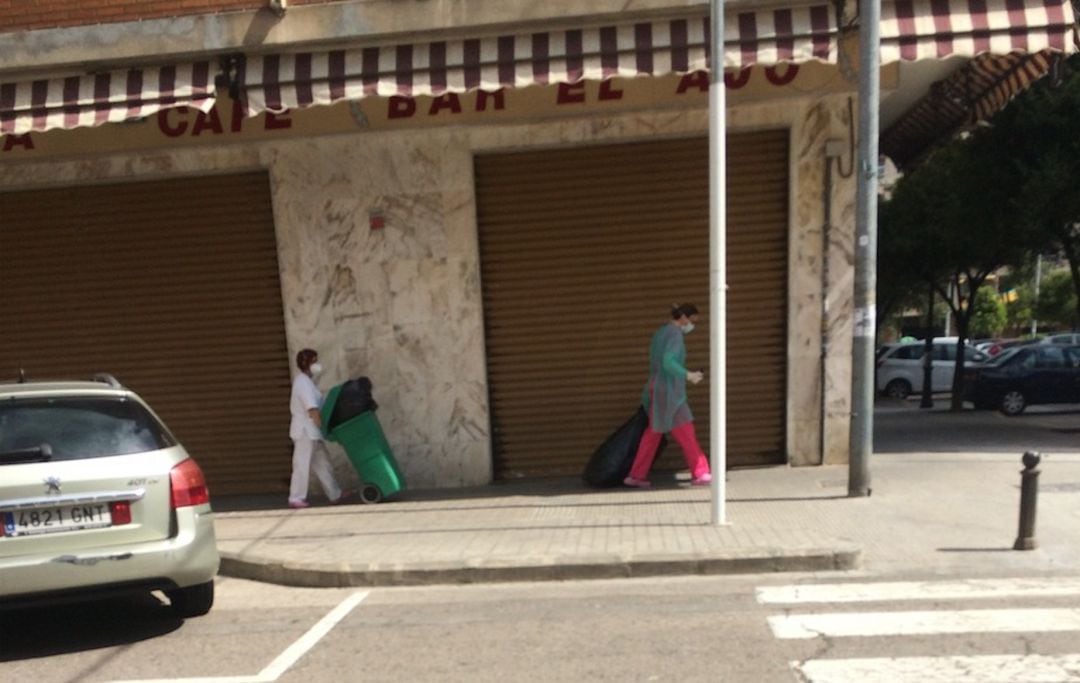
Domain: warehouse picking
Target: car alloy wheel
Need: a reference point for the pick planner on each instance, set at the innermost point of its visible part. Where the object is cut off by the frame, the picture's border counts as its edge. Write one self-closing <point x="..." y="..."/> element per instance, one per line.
<point x="1013" y="402"/>
<point x="898" y="388"/>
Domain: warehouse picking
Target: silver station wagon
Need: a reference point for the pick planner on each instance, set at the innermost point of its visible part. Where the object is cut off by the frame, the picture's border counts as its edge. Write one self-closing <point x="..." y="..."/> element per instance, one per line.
<point x="98" y="498"/>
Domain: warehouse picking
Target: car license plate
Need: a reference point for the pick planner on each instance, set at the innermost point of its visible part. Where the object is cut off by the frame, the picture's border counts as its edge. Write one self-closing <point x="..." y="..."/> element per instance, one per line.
<point x="50" y="520"/>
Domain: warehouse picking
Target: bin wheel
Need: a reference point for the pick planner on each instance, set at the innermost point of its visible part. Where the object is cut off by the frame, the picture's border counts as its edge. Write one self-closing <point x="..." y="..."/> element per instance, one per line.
<point x="370" y="494"/>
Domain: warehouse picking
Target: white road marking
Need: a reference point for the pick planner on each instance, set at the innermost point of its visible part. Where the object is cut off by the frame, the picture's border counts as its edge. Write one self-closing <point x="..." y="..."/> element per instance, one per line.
<point x="918" y="590"/>
<point x="924" y="623"/>
<point x="286" y="659"/>
<point x="981" y="668"/>
<point x="307" y="641"/>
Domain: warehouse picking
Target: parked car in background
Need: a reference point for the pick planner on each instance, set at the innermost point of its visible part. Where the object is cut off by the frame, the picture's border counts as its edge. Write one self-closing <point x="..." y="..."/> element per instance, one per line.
<point x="1024" y="376"/>
<point x="900" y="369"/>
<point x="883" y="349"/>
<point x="1063" y="339"/>
<point x="996" y="346"/>
<point x="96" y="498"/>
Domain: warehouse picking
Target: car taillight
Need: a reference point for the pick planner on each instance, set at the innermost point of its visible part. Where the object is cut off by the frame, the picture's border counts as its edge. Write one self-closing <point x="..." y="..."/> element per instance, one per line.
<point x="188" y="485"/>
<point x="121" y="512"/>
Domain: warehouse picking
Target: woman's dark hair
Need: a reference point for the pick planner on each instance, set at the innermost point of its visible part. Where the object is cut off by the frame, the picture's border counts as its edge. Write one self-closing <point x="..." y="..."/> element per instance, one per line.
<point x="305" y="358"/>
<point x="683" y="309"/>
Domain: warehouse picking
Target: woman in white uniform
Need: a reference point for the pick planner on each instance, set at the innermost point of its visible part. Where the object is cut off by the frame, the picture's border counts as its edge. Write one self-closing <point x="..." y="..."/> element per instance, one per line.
<point x="309" y="451"/>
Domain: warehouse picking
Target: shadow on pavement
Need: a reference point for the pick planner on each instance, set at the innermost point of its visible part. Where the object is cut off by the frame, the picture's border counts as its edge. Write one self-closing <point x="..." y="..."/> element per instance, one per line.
<point x="32" y="632"/>
<point x="538" y="487"/>
<point x="975" y="550"/>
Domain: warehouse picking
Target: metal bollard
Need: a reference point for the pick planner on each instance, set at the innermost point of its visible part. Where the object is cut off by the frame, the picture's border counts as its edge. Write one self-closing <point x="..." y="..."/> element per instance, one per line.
<point x="1029" y="494"/>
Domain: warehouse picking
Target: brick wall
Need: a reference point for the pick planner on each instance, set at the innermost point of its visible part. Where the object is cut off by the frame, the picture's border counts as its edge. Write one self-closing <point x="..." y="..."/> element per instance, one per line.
<point x="20" y="15"/>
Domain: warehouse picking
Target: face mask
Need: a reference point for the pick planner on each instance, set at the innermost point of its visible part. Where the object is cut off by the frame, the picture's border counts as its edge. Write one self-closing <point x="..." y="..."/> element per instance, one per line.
<point x="316" y="369"/>
<point x="688" y="328"/>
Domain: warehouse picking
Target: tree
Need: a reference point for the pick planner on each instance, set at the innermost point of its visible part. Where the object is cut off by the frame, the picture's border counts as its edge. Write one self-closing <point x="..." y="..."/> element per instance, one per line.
<point x="1037" y="132"/>
<point x="988" y="316"/>
<point x="1057" y="300"/>
<point x="952" y="221"/>
<point x="1021" y="310"/>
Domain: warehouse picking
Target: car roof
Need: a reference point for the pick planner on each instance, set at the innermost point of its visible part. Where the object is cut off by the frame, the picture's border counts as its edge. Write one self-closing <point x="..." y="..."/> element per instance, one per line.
<point x="936" y="340"/>
<point x="61" y="388"/>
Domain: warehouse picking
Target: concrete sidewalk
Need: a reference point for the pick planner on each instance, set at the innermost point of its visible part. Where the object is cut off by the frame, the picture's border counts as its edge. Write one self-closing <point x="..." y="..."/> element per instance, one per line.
<point x="933" y="513"/>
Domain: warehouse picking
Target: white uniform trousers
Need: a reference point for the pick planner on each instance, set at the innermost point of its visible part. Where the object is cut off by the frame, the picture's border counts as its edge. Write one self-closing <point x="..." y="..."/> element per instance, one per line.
<point x="308" y="455"/>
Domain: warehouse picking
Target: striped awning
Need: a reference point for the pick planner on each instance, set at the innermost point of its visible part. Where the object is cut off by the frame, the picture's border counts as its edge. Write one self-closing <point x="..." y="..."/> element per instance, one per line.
<point x="285" y="81"/>
<point x="1013" y="44"/>
<point x="929" y="29"/>
<point x="973" y="93"/>
<point x="93" y="99"/>
<point x="910" y="29"/>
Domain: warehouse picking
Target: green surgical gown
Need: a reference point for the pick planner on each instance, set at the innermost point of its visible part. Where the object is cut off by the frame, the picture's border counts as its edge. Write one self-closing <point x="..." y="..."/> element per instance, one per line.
<point x="664" y="396"/>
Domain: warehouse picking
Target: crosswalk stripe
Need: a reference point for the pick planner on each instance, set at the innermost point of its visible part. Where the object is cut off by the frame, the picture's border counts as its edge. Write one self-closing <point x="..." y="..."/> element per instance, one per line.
<point x="924" y="622"/>
<point x="917" y="590"/>
<point x="981" y="668"/>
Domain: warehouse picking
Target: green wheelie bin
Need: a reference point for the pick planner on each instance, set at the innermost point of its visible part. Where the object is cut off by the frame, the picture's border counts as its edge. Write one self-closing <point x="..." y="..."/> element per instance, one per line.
<point x="365" y="444"/>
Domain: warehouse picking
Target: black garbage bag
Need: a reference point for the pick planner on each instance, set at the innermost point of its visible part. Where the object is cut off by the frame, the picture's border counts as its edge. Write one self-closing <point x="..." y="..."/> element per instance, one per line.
<point x="355" y="398"/>
<point x="611" y="462"/>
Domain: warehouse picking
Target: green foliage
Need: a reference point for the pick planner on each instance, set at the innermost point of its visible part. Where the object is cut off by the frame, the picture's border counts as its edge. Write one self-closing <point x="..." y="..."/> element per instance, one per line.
<point x="1020" y="312"/>
<point x="953" y="219"/>
<point x="996" y="197"/>
<point x="988" y="316"/>
<point x="1057" y="300"/>
<point x="1037" y="138"/>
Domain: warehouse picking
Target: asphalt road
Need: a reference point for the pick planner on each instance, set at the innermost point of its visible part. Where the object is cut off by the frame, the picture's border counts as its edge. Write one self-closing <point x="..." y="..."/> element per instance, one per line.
<point x="903" y="427"/>
<point x="943" y="627"/>
<point x="781" y="628"/>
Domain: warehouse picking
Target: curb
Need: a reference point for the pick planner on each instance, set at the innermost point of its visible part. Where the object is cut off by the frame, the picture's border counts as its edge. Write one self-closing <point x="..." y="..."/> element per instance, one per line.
<point x="314" y="575"/>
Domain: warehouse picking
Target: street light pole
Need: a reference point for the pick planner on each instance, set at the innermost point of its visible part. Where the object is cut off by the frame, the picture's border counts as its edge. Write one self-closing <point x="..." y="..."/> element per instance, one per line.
<point x="1038" y="279"/>
<point x="862" y="370"/>
<point x="718" y="265"/>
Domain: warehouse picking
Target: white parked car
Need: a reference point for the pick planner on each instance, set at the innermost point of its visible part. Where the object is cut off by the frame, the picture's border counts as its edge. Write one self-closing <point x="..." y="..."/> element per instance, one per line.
<point x="97" y="497"/>
<point x="900" y="369"/>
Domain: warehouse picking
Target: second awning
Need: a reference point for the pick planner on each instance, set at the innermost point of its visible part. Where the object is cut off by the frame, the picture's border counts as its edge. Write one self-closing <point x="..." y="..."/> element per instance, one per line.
<point x="284" y="81"/>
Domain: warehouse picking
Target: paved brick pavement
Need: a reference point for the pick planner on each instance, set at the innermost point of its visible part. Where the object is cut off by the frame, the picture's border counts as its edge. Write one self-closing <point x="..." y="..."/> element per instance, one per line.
<point x="933" y="513"/>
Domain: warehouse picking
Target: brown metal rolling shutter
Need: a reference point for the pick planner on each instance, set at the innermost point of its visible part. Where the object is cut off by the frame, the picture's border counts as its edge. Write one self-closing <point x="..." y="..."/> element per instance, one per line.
<point x="584" y="250"/>
<point x="173" y="287"/>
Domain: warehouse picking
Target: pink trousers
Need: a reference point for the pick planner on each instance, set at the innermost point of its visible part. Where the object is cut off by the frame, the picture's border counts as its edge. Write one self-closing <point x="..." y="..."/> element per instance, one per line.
<point x="650" y="441"/>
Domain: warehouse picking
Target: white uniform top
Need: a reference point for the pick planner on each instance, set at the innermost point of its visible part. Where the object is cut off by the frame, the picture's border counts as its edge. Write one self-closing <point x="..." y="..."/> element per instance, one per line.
<point x="305" y="396"/>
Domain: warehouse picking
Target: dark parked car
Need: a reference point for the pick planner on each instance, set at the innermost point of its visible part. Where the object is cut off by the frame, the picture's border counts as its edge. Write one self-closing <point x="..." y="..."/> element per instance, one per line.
<point x="1024" y="376"/>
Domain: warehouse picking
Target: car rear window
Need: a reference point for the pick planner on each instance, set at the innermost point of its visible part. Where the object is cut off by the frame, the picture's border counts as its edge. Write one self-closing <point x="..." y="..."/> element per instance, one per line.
<point x="70" y="428"/>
